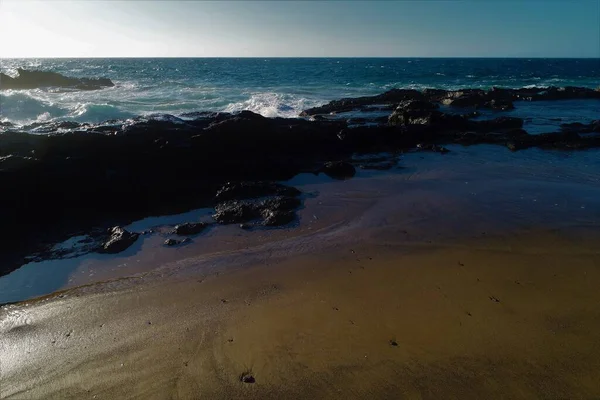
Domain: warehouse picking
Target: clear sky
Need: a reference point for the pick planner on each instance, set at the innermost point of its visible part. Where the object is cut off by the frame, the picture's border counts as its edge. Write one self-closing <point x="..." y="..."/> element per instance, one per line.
<point x="476" y="28"/>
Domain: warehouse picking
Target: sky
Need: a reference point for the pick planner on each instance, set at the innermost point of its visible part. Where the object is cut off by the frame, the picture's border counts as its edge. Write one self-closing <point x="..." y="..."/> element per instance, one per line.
<point x="474" y="28"/>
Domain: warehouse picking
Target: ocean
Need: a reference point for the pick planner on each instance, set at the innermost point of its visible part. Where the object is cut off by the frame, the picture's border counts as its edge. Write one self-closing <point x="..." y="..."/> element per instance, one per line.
<point x="273" y="87"/>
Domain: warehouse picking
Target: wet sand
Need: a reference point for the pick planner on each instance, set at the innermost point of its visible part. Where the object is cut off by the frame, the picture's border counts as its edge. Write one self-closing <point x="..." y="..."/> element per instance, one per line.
<point x="497" y="317"/>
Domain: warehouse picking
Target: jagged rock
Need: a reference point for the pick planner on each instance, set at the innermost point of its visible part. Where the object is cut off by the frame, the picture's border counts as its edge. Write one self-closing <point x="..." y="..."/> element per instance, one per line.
<point x="273" y="208"/>
<point x="414" y="112"/>
<point x="120" y="239"/>
<point x="190" y="228"/>
<point x="232" y="212"/>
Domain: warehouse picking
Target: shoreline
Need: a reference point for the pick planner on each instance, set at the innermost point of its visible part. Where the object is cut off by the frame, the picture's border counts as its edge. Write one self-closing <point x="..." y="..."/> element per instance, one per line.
<point x="425" y="198"/>
<point x="481" y="318"/>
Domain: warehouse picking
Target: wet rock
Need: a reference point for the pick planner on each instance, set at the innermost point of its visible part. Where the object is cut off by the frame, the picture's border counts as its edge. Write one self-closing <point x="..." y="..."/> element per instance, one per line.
<point x="349" y="104"/>
<point x="249" y="190"/>
<point x="277" y="218"/>
<point x="579" y="127"/>
<point x="274" y="211"/>
<point x="233" y="211"/>
<point x="340" y="170"/>
<point x="174" y="242"/>
<point x="120" y="239"/>
<point x="414" y="112"/>
<point x="465" y="99"/>
<point x="39" y="79"/>
<point x="190" y="228"/>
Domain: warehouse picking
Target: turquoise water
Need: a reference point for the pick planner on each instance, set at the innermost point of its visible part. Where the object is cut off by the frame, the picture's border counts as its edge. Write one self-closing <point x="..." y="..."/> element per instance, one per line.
<point x="272" y="87"/>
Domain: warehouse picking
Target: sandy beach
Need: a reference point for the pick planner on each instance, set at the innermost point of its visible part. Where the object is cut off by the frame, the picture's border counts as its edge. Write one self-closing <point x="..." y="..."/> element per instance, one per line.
<point x="497" y="317"/>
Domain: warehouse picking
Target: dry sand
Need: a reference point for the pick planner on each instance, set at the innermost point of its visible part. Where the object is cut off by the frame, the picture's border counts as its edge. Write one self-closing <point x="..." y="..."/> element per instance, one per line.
<point x="512" y="317"/>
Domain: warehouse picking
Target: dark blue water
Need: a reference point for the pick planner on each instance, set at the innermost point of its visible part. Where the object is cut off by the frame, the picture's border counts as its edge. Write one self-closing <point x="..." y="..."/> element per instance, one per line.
<point x="272" y="87"/>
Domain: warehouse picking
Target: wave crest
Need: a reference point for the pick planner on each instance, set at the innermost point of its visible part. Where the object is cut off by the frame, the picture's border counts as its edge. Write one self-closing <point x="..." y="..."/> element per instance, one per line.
<point x="21" y="107"/>
<point x="272" y="105"/>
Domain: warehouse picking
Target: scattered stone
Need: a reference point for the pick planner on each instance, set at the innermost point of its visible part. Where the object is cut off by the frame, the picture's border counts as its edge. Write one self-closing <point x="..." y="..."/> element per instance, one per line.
<point x="119" y="240"/>
<point x="247" y="377"/>
<point x="174" y="242"/>
<point x="494" y="299"/>
<point x="393" y="343"/>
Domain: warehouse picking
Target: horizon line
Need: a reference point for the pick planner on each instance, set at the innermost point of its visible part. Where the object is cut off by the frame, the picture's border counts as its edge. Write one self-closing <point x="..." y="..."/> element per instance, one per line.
<point x="307" y="57"/>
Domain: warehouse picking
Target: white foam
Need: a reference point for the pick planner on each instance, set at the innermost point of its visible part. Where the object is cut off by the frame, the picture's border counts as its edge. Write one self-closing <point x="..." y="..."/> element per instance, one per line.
<point x="273" y="105"/>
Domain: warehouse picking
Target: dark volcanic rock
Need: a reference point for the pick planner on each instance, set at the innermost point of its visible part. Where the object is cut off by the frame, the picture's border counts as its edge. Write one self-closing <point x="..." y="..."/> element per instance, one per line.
<point x="249" y="190"/>
<point x="39" y="79"/>
<point x="233" y="212"/>
<point x="190" y="228"/>
<point x="497" y="124"/>
<point x="277" y="218"/>
<point x="338" y="170"/>
<point x="578" y="127"/>
<point x="349" y="104"/>
<point x="414" y="112"/>
<point x="273" y="210"/>
<point x="119" y="240"/>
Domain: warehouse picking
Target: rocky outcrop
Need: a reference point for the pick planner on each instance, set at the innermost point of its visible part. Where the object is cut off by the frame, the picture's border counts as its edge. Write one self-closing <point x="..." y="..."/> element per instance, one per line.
<point x="272" y="211"/>
<point x="495" y="98"/>
<point x="63" y="182"/>
<point x="41" y="79"/>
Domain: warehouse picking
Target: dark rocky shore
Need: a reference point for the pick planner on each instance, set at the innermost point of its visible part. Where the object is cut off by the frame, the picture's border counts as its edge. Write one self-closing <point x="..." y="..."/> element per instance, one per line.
<point x="67" y="178"/>
<point x="40" y="79"/>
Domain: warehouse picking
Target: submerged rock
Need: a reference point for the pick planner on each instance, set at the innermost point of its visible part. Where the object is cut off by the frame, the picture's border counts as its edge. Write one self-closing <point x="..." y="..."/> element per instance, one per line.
<point x="120" y="239"/>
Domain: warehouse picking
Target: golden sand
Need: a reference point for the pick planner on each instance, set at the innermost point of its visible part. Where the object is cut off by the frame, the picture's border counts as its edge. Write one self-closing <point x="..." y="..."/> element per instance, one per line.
<point x="513" y="317"/>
